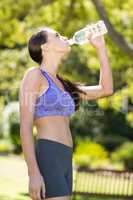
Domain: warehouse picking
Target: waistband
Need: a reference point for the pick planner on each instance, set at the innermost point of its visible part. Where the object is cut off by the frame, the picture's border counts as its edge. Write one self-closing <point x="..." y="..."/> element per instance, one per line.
<point x="54" y="142"/>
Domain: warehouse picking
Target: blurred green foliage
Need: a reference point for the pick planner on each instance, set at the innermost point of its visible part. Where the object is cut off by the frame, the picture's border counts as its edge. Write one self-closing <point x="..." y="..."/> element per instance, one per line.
<point x="6" y="146"/>
<point x="14" y="130"/>
<point x="90" y="154"/>
<point x="124" y="154"/>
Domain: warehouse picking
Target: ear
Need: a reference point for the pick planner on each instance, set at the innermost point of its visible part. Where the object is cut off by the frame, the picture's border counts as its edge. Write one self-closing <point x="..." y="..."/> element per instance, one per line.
<point x="44" y="47"/>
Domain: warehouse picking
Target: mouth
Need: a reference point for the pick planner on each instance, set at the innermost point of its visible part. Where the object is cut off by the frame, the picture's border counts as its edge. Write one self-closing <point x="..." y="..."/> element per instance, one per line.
<point x="67" y="41"/>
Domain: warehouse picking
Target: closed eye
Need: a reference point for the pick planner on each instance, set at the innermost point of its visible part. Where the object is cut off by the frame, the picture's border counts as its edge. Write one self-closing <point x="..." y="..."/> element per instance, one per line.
<point x="57" y="34"/>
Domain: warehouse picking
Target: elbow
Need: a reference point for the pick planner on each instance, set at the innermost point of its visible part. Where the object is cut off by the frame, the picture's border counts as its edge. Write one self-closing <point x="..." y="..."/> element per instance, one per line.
<point x="109" y="92"/>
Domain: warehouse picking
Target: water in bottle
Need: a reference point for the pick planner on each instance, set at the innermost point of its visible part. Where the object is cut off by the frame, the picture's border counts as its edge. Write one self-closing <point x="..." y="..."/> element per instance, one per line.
<point x="81" y="36"/>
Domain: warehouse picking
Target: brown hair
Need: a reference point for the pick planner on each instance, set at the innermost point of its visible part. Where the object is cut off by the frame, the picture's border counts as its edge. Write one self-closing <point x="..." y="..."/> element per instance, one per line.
<point x="35" y="51"/>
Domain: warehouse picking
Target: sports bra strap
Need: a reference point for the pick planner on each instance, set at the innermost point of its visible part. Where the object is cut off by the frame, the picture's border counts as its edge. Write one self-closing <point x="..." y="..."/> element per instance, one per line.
<point x="44" y="73"/>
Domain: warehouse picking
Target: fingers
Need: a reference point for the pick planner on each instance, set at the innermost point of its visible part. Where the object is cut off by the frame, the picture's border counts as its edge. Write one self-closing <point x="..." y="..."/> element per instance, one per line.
<point x="43" y="190"/>
<point x="88" y="34"/>
<point x="35" y="194"/>
<point x="37" y="188"/>
<point x="42" y="195"/>
<point x="38" y="194"/>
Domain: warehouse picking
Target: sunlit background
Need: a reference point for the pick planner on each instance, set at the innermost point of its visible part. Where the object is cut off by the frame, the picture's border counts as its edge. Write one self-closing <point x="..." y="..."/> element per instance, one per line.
<point x="102" y="129"/>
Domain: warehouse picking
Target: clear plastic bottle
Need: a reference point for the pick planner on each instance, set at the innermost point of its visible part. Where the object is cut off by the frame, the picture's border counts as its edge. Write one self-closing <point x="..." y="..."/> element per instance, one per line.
<point x="81" y="37"/>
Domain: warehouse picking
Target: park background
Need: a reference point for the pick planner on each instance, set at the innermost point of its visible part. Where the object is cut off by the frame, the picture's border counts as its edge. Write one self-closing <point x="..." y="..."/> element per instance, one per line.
<point x="102" y="129"/>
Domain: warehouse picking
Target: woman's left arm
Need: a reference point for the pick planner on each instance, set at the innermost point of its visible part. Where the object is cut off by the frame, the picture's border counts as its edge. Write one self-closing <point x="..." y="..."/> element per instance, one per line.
<point x="105" y="86"/>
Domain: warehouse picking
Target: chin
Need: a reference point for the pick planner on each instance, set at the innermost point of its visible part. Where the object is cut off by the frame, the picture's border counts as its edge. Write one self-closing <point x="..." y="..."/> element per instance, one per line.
<point x="68" y="49"/>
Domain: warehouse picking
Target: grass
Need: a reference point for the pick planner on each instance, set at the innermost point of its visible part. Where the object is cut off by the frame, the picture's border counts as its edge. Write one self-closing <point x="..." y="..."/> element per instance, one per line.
<point x="79" y="197"/>
<point x="14" y="178"/>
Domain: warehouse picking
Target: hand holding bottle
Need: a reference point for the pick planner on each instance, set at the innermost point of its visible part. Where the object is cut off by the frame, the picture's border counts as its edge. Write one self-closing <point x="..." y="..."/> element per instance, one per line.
<point x="97" y="42"/>
<point x="96" y="29"/>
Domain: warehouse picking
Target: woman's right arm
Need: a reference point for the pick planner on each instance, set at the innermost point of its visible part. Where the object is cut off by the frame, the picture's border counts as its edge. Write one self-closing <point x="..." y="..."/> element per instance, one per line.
<point x="29" y="88"/>
<point x="27" y="96"/>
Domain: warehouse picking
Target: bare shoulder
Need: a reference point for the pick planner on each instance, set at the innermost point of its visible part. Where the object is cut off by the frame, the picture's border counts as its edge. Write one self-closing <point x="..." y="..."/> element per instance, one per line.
<point x="31" y="78"/>
<point x="32" y="73"/>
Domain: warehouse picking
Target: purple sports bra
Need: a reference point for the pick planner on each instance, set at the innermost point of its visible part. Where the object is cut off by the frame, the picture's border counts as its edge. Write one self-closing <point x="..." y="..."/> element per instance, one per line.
<point x="53" y="101"/>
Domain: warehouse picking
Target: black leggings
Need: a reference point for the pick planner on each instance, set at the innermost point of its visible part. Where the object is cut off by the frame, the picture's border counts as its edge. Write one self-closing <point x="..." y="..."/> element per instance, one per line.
<point x="55" y="163"/>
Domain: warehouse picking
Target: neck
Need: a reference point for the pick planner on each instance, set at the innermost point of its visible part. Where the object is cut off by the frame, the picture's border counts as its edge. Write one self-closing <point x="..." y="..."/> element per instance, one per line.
<point x="51" y="65"/>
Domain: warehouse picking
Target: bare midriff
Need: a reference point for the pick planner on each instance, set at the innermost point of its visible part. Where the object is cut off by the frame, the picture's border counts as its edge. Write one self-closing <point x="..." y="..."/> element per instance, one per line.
<point x="54" y="128"/>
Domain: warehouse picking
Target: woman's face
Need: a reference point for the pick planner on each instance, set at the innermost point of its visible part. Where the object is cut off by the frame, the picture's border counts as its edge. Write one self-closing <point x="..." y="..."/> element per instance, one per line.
<point x="57" y="43"/>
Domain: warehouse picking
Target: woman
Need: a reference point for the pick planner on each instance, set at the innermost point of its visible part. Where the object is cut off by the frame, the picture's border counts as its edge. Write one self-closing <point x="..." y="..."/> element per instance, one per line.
<point x="47" y="101"/>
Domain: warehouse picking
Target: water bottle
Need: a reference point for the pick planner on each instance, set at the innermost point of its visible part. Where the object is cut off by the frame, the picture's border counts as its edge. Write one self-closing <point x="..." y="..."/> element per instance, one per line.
<point x="81" y="37"/>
